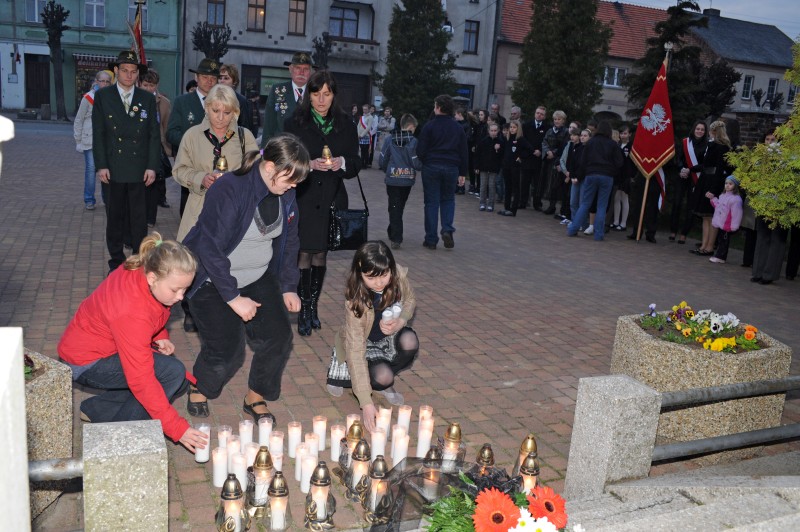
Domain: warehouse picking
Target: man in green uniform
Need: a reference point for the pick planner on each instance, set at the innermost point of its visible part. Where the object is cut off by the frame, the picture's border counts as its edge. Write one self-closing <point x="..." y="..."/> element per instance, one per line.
<point x="284" y="97"/>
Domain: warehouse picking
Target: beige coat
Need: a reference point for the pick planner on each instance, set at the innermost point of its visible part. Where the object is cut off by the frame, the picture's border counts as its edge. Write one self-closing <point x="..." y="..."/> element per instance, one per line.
<point x="195" y="159"/>
<point x="351" y="340"/>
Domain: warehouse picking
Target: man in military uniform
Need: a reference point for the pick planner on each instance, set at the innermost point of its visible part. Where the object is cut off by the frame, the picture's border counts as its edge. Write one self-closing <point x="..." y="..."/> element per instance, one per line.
<point x="189" y="109"/>
<point x="127" y="149"/>
<point x="284" y="97"/>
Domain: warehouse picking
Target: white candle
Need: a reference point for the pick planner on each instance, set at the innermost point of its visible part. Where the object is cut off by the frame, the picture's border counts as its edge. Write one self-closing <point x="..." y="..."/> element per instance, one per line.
<point x="360" y="468"/>
<point x="276" y="443"/>
<point x="295" y="436"/>
<point x="450" y="451"/>
<point x="238" y="461"/>
<point x="397" y="308"/>
<point x="219" y="458"/>
<point x="387" y="314"/>
<point x="223" y="432"/>
<point x="264" y="430"/>
<point x="245" y="432"/>
<point x="309" y="463"/>
<point x="378" y="492"/>
<point x="378" y="445"/>
<point x="401" y="449"/>
<point x="397" y="432"/>
<point x="233" y="510"/>
<point x="384" y="419"/>
<point x="425" y="412"/>
<point x="528" y="483"/>
<point x="424" y="437"/>
<point x="250" y="452"/>
<point x="301" y="451"/>
<point x="337" y="433"/>
<point x="312" y="443"/>
<point x="350" y="419"/>
<point x="277" y="513"/>
<point x="321" y="430"/>
<point x="277" y="461"/>
<point x="234" y="447"/>
<point x="201" y="455"/>
<point x="404" y="417"/>
<point x="430" y="484"/>
<point x="262" y="479"/>
<point x="319" y="494"/>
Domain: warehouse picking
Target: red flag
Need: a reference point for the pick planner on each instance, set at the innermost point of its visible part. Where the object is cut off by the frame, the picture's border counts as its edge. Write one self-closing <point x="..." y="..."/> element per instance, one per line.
<point x="136" y="33"/>
<point x="654" y="144"/>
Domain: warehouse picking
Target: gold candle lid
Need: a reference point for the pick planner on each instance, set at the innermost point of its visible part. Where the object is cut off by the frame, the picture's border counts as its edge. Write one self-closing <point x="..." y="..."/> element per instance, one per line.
<point x="263" y="461"/>
<point x="326" y="153"/>
<point x="222" y="164"/>
<point x="379" y="467"/>
<point x="321" y="475"/>
<point x="231" y="489"/>
<point x="361" y="452"/>
<point x="278" y="487"/>
<point x="485" y="456"/>
<point x="356" y="431"/>
<point x="530" y="466"/>
<point x="453" y="433"/>
<point x="528" y="445"/>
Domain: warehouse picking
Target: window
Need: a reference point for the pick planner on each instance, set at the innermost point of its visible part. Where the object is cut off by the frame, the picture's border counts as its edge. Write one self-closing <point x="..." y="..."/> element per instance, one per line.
<point x="297" y="17"/>
<point x="256" y="9"/>
<point x="471" y="28"/>
<point x="132" y="14"/>
<point x="747" y="87"/>
<point x="792" y="94"/>
<point x="614" y="76"/>
<point x="772" y="89"/>
<point x="216" y="12"/>
<point x="95" y="13"/>
<point x="343" y="22"/>
<point x="33" y="10"/>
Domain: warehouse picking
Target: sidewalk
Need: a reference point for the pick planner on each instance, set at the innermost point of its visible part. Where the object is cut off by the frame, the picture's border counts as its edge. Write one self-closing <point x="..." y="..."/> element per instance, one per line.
<point x="508" y="321"/>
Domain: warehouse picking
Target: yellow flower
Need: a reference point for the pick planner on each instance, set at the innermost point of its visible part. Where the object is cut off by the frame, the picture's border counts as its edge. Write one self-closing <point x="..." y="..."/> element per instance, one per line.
<point x="689" y="313"/>
<point x="707" y="344"/>
<point x="678" y="325"/>
<point x="675" y="308"/>
<point x="687" y="332"/>
<point x="701" y="339"/>
<point x="706" y="329"/>
<point x="683" y="304"/>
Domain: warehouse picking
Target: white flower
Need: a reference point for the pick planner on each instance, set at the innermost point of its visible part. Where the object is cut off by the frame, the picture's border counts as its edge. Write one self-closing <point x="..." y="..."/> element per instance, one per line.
<point x="730" y="320"/>
<point x="578" y="528"/>
<point x="529" y="524"/>
<point x="715" y="325"/>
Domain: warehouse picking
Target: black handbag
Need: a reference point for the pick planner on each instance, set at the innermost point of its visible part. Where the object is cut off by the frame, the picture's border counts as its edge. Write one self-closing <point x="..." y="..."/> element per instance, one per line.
<point x="347" y="228"/>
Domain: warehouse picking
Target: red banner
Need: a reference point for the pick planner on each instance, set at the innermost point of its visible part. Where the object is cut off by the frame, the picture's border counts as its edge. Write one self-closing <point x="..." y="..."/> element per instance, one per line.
<point x="136" y="34"/>
<point x="654" y="143"/>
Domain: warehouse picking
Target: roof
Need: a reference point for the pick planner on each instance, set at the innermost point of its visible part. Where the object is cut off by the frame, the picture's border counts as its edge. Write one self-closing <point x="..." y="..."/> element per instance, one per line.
<point x="748" y="42"/>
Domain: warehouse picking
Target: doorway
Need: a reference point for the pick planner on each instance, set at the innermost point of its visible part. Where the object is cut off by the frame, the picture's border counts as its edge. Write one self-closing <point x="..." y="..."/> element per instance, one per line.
<point x="37" y="80"/>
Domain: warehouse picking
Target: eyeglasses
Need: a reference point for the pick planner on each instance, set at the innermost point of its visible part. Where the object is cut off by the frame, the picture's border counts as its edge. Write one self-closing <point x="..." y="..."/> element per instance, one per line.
<point x="103" y="80"/>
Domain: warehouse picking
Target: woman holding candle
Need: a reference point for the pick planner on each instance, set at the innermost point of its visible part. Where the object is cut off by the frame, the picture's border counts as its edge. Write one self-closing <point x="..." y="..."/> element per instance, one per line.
<point x="246" y="242"/>
<point x="319" y="123"/>
<point x="117" y="341"/>
<point x="370" y="350"/>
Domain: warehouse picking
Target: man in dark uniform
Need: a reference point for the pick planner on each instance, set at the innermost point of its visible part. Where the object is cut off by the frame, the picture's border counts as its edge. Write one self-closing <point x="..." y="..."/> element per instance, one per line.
<point x="533" y="132"/>
<point x="284" y="97"/>
<point x="189" y="109"/>
<point x="127" y="149"/>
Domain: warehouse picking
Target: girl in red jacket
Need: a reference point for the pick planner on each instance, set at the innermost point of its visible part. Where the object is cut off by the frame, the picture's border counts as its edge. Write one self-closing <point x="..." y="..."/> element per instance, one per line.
<point x="117" y="341"/>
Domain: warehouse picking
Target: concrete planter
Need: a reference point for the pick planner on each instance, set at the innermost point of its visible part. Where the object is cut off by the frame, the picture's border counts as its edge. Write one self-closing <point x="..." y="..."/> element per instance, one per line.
<point x="666" y="366"/>
<point x="48" y="412"/>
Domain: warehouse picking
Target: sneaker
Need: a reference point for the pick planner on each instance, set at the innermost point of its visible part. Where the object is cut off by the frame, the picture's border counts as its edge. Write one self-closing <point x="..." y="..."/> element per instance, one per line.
<point x="429" y="246"/>
<point x="557" y="216"/>
<point x="716" y="260"/>
<point x="447" y="238"/>
<point x="566" y="221"/>
<point x="335" y="391"/>
<point x="396" y="245"/>
<point x="90" y="206"/>
<point x="589" y="230"/>
<point x="490" y="209"/>
<point x="620" y="228"/>
<point x="392" y="396"/>
<point x="482" y="208"/>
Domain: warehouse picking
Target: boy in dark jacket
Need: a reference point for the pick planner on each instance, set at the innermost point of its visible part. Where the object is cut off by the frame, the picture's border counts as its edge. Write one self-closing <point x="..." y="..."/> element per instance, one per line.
<point x="488" y="160"/>
<point x="399" y="160"/>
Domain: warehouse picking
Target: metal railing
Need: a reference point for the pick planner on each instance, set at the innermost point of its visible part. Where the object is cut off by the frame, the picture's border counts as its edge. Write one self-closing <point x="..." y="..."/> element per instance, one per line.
<point x="697" y="396"/>
<point x="57" y="469"/>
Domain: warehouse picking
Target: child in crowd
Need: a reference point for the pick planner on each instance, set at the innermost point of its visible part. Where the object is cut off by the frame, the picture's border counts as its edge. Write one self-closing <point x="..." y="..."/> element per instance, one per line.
<point x="371" y="348"/>
<point x="399" y="160"/>
<point x="516" y="149"/>
<point x="117" y="341"/>
<point x="727" y="216"/>
<point x="568" y="164"/>
<point x="623" y="183"/>
<point x="489" y="159"/>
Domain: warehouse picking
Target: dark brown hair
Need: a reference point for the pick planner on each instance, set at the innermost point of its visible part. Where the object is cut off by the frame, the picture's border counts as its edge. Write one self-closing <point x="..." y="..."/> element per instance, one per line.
<point x="372" y="259"/>
<point x="286" y="152"/>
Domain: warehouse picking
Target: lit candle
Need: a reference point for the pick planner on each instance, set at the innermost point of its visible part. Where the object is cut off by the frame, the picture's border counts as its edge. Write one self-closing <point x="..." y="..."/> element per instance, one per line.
<point x="264" y="430"/>
<point x="201" y="455"/>
<point x="245" y="432"/>
<point x="321" y="430"/>
<point x="425" y="412"/>
<point x="219" y="459"/>
<point x="223" y="433"/>
<point x="239" y="468"/>
<point x="397" y="432"/>
<point x="378" y="492"/>
<point x="233" y="510"/>
<point x="276" y="443"/>
<point x="528" y="483"/>
<point x="384" y="420"/>
<point x="312" y="443"/>
<point x="401" y="448"/>
<point x="295" y="436"/>
<point x="250" y="452"/>
<point x="301" y="451"/>
<point x="350" y="419"/>
<point x="277" y="513"/>
<point x="424" y="436"/>
<point x="309" y="463"/>
<point x="360" y="468"/>
<point x="262" y="479"/>
<point x="450" y="451"/>
<point x="430" y="484"/>
<point x="337" y="433"/>
<point x="378" y="444"/>
<point x="319" y="494"/>
<point x="277" y="461"/>
<point x="404" y="417"/>
<point x="234" y="447"/>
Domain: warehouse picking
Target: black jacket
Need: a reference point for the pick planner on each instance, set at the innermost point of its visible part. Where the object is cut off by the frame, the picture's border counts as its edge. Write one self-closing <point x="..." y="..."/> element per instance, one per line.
<point x="601" y="156"/>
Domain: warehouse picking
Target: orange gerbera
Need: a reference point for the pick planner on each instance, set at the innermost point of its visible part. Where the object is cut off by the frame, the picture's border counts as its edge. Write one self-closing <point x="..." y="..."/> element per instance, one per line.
<point x="494" y="511"/>
<point x="749" y="335"/>
<point x="544" y="502"/>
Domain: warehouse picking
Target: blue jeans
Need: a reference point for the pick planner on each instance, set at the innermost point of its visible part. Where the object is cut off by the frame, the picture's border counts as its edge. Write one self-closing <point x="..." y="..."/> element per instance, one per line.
<point x="88" y="178"/>
<point x="600" y="185"/>
<point x="118" y="402"/>
<point x="439" y="189"/>
<point x="575" y="203"/>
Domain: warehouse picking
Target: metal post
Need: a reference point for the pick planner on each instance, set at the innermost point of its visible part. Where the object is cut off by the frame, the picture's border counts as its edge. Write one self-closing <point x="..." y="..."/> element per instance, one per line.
<point x="58" y="469"/>
<point x="723" y="443"/>
<point x="729" y="391"/>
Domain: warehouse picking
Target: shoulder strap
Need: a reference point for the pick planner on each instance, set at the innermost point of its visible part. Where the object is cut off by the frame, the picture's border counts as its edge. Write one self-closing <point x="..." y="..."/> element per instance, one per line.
<point x="241" y="140"/>
<point x="363" y="197"/>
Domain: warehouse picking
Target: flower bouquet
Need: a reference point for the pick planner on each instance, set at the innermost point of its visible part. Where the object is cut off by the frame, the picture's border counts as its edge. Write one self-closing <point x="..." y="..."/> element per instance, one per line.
<point x="498" y="510"/>
<point x="704" y="328"/>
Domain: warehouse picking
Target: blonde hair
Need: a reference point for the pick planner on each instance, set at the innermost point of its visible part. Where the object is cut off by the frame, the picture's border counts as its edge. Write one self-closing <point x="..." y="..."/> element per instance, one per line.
<point x="720" y="132"/>
<point x="519" y="127"/>
<point x="162" y="257"/>
<point x="560" y="114"/>
<point x="226" y="96"/>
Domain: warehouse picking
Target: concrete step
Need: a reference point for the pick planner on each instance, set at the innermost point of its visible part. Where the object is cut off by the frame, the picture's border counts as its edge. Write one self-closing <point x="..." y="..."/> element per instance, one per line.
<point x="610" y="511"/>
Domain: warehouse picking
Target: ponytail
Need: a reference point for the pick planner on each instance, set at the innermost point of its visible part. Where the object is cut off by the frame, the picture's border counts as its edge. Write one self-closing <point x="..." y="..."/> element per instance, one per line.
<point x="162" y="257"/>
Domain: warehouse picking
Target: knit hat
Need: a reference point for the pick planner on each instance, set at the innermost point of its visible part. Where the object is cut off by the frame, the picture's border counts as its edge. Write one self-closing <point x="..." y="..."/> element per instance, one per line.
<point x="732" y="179"/>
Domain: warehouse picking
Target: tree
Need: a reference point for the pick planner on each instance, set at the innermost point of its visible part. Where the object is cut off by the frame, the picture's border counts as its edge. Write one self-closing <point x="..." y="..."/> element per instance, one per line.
<point x="563" y="57"/>
<point x="53" y="17"/>
<point x="211" y="40"/>
<point x="771" y="174"/>
<point x="322" y="49"/>
<point x="418" y="64"/>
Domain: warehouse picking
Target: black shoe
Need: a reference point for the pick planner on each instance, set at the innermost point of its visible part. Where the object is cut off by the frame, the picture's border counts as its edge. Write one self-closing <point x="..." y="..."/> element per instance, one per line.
<point x="558" y="217"/>
<point x="550" y="210"/>
<point x="196" y="408"/>
<point x="631" y="237"/>
<point x="188" y="323"/>
<point x="163" y="204"/>
<point x="650" y="239"/>
<point x="756" y="279"/>
<point x="537" y="207"/>
<point x="447" y="238"/>
<point x="790" y="277"/>
<point x="248" y="409"/>
<point x="429" y="246"/>
<point x="509" y="213"/>
<point x="764" y="281"/>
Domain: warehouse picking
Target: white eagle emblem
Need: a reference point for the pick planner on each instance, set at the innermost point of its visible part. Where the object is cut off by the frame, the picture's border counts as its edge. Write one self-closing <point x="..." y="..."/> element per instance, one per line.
<point x="655" y="119"/>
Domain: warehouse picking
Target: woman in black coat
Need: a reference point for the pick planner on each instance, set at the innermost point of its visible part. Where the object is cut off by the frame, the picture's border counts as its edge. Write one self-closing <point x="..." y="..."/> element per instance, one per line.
<point x="715" y="170"/>
<point x="319" y="122"/>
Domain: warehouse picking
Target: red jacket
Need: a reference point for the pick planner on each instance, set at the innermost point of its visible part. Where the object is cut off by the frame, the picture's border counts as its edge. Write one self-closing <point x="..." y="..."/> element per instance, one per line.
<point x="122" y="316"/>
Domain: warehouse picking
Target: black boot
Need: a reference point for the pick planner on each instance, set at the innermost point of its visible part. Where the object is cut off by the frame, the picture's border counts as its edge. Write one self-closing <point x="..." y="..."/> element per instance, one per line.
<point x="317" y="277"/>
<point x="304" y="291"/>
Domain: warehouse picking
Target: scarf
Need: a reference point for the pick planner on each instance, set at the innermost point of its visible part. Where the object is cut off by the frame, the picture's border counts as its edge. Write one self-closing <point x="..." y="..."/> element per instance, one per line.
<point x="212" y="138"/>
<point x="325" y="124"/>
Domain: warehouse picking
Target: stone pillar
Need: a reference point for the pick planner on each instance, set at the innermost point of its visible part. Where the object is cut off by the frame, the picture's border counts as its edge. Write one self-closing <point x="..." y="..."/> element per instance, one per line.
<point x="613" y="434"/>
<point x="14" y="466"/>
<point x="125" y="477"/>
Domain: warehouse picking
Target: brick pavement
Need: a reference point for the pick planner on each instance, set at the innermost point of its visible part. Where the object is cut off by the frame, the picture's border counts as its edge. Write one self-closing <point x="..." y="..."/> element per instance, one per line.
<point x="508" y="321"/>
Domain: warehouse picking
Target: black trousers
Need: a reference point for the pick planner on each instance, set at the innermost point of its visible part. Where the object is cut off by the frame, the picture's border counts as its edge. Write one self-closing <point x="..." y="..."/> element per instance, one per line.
<point x="723" y="243"/>
<point x="749" y="252"/>
<point x="511" y="181"/>
<point x="681" y="217"/>
<point x="793" y="258"/>
<point x="650" y="222"/>
<point x="770" y="248"/>
<point x="365" y="163"/>
<point x="125" y="198"/>
<point x="152" y="197"/>
<point x="223" y="335"/>
<point x="184" y="199"/>
<point x="536" y="183"/>
<point x="397" y="204"/>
